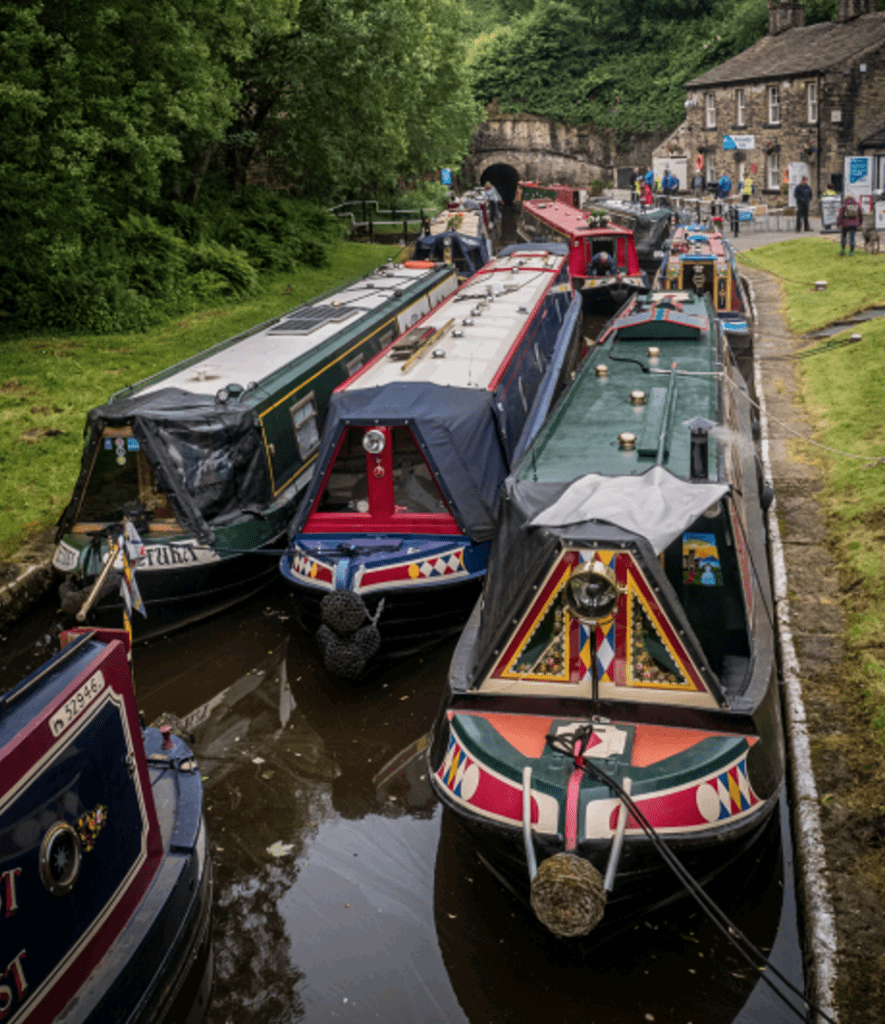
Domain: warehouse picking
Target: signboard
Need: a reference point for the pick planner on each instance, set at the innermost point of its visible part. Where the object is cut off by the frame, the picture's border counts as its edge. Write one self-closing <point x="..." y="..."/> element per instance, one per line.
<point x="880" y="215"/>
<point x="446" y="176"/>
<point x="738" y="141"/>
<point x="859" y="179"/>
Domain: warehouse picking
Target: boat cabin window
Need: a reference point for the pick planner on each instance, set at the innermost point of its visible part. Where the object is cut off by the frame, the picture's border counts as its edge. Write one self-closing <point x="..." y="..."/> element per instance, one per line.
<point x="304" y="420"/>
<point x="121" y="475"/>
<point x="381" y="472"/>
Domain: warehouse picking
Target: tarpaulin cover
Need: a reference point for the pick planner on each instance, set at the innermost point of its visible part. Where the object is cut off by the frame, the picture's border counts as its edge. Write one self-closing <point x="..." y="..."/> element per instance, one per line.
<point x="208" y="457"/>
<point x="650" y="231"/>
<point x="456" y="430"/>
<point x="656" y="505"/>
<point x="468" y="254"/>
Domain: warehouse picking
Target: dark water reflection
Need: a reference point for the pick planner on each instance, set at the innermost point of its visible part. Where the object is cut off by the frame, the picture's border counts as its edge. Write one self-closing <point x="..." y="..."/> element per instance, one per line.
<point x="342" y="892"/>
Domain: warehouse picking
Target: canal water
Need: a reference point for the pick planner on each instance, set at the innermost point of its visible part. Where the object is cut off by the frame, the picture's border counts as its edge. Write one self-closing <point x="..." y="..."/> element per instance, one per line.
<point x="343" y="892"/>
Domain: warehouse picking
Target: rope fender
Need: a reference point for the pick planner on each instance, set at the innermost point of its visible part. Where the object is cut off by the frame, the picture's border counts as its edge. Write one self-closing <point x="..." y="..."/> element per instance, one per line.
<point x="344" y="641"/>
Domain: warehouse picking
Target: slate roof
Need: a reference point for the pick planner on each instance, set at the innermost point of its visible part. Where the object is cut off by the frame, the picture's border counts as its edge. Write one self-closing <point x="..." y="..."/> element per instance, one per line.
<point x="799" y="51"/>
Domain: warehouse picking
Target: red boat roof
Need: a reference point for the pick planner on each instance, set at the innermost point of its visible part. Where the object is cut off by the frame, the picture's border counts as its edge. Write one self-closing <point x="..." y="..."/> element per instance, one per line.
<point x="571" y="221"/>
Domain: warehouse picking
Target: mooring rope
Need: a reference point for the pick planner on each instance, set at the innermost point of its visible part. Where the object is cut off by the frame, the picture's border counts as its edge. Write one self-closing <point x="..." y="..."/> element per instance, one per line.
<point x="564" y="743"/>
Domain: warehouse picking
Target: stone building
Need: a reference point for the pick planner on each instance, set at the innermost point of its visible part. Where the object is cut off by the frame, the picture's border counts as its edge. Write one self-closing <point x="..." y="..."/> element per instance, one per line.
<point x="803" y="95"/>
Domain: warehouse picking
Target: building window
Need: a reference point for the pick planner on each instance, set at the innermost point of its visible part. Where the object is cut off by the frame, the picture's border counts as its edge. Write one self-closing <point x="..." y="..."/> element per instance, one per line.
<point x="773" y="170"/>
<point x="710" y="99"/>
<point x="774" y="104"/>
<point x="740" y="117"/>
<point x="811" y="95"/>
<point x="304" y="420"/>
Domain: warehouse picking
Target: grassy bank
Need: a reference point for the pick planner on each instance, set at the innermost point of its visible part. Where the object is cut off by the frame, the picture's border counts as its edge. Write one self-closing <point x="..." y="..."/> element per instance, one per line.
<point x="844" y="392"/>
<point x="48" y="382"/>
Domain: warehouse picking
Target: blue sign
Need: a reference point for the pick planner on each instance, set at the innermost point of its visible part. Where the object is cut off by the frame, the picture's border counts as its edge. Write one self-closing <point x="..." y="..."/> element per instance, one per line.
<point x="858" y="169"/>
<point x="446" y="175"/>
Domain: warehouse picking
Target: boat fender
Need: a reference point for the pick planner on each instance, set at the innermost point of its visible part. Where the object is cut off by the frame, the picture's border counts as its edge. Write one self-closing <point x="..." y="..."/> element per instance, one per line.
<point x="343" y="611"/>
<point x="346" y="656"/>
<point x="419" y="264"/>
<point x="568" y="895"/>
<point x="766" y="496"/>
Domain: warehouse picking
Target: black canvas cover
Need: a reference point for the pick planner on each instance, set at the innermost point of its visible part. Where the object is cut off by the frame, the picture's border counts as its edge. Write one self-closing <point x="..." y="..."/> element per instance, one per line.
<point x="468" y="254"/>
<point x="454" y="427"/>
<point x="208" y="457"/>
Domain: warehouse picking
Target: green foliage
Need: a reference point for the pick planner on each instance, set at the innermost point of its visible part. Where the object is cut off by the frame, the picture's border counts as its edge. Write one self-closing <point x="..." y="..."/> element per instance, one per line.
<point x="621" y="67"/>
<point x="47" y="383"/>
<point x="362" y="94"/>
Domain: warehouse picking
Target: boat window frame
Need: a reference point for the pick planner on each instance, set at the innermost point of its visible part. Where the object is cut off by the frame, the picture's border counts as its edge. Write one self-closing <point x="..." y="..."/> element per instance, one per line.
<point x="309" y="399"/>
<point x="383" y="521"/>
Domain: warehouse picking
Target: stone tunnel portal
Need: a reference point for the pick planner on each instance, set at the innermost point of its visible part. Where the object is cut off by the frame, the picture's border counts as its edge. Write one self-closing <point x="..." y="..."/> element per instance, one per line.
<point x="505" y="179"/>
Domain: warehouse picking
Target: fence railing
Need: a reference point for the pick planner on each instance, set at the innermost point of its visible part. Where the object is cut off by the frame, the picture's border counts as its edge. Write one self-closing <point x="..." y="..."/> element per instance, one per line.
<point x="368" y="219"/>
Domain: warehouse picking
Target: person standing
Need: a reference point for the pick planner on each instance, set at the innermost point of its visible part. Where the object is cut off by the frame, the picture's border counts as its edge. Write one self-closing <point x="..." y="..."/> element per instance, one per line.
<point x="802" y="195"/>
<point x="697" y="185"/>
<point x="635" y="185"/>
<point x="724" y="187"/>
<point x="849" y="220"/>
<point x="747" y="188"/>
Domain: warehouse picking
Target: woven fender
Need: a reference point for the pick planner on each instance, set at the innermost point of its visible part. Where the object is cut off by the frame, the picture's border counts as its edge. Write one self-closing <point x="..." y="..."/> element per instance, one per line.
<point x="343" y="612"/>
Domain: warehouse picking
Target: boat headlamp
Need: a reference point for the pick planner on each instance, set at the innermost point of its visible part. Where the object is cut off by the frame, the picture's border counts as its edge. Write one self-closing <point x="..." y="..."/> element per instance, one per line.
<point x="374" y="441"/>
<point x="591" y="593"/>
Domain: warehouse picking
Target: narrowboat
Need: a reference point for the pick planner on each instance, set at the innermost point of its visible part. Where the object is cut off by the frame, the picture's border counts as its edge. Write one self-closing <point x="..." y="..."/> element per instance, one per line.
<point x="107" y="881"/>
<point x="698" y="258"/>
<point x="389" y="547"/>
<point x="567" y="194"/>
<point x="613" y="700"/>
<point x="587" y="234"/>
<point x="207" y="460"/>
<point x="466" y="233"/>
<point x="651" y="227"/>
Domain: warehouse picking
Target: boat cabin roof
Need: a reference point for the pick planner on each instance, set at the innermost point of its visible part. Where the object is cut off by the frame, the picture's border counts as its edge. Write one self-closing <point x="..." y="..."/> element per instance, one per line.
<point x="623" y="388"/>
<point x="471" y="222"/>
<point x="275" y="345"/>
<point x="467" y="340"/>
<point x="691" y="243"/>
<point x="570" y="221"/>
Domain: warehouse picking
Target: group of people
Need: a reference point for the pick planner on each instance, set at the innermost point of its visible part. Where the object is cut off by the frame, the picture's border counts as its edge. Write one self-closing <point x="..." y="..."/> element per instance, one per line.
<point x="849" y="219"/>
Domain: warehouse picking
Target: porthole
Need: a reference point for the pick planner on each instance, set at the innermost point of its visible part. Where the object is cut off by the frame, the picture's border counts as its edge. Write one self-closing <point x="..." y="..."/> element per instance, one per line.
<point x="60" y="859"/>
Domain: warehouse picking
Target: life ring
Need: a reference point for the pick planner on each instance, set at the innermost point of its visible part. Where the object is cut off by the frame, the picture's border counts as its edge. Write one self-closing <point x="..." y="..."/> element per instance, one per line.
<point x="419" y="264"/>
<point x="699" y="162"/>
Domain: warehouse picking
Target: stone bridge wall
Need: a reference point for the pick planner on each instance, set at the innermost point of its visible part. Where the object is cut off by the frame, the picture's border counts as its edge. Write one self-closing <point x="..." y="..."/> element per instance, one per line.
<point x="548" y="151"/>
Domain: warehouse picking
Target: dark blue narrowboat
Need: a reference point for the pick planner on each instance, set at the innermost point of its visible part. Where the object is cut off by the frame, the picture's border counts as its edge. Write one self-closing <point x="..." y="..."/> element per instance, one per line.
<point x="105" y="879"/>
<point x="391" y="542"/>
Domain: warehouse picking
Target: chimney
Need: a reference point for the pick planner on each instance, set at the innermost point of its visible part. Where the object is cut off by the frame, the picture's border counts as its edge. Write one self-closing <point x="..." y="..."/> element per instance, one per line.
<point x="850" y="9"/>
<point x="787" y="14"/>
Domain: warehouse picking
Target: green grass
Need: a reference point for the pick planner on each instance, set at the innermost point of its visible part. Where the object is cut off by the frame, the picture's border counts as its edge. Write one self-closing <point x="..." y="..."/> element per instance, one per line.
<point x="853" y="282"/>
<point x="48" y="383"/>
<point x="844" y="394"/>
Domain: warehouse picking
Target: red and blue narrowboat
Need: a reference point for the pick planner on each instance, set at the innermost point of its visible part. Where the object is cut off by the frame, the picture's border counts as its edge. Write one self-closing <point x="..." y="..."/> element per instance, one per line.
<point x="209" y="458"/>
<point x="566" y="194"/>
<point x="614" y="695"/>
<point x="700" y="259"/>
<point x="389" y="547"/>
<point x="604" y="286"/>
<point x="106" y="877"/>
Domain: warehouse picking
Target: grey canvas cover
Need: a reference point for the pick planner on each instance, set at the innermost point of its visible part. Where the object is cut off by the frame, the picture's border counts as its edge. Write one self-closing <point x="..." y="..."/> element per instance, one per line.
<point x="468" y="254"/>
<point x="208" y="457"/>
<point x="457" y="432"/>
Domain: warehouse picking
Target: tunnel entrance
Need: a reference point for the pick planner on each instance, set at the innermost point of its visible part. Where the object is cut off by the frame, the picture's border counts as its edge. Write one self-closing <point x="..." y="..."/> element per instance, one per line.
<point x="505" y="179"/>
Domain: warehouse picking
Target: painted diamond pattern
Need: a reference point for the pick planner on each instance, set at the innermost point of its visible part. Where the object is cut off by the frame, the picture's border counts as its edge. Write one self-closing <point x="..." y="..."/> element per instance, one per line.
<point x="445" y="565"/>
<point x="605" y="652"/>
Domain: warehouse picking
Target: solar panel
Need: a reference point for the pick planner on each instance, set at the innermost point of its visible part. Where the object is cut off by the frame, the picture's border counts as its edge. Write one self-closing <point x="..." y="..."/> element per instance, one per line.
<point x="309" y="318"/>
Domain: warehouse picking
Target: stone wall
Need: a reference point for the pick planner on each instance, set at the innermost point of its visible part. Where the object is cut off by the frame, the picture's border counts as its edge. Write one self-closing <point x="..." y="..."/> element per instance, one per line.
<point x="549" y="151"/>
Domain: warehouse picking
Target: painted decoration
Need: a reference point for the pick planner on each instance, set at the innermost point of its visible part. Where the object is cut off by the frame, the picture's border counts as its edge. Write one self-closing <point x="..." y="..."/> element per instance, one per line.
<point x="700" y="560"/>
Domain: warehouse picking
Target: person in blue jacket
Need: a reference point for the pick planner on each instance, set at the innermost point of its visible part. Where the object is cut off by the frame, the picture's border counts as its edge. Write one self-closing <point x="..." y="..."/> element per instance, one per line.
<point x="602" y="265"/>
<point x="669" y="183"/>
<point x="724" y="187"/>
<point x="650" y="179"/>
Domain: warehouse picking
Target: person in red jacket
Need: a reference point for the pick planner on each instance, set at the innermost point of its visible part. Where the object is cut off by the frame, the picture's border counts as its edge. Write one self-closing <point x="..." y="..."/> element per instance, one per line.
<point x="849" y="220"/>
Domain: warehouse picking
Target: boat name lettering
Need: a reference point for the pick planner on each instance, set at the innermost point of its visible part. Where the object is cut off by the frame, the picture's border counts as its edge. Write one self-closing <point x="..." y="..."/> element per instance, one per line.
<point x="75" y="706"/>
<point x="169" y="554"/>
<point x="9" y="890"/>
<point x="21" y="984"/>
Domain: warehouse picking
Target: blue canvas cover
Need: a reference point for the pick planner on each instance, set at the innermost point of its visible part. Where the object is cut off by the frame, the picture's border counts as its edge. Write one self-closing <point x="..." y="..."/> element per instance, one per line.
<point x="457" y="431"/>
<point x="468" y="254"/>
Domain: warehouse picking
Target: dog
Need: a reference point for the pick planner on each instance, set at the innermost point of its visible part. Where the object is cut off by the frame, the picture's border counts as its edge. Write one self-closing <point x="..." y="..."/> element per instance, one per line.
<point x="871" y="240"/>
